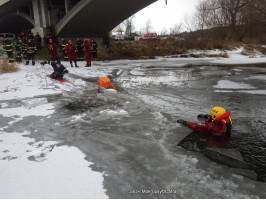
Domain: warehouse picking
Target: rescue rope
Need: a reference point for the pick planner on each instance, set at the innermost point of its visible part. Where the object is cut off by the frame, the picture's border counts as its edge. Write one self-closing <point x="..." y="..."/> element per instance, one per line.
<point x="5" y="91"/>
<point x="83" y="96"/>
<point x="262" y="122"/>
<point x="72" y="92"/>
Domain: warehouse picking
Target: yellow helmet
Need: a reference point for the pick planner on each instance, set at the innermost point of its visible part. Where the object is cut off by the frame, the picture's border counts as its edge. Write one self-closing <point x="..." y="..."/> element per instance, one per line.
<point x="217" y="112"/>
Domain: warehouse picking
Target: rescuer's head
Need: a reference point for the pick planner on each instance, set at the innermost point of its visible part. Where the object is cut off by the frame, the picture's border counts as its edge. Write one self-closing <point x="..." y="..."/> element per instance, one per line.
<point x="58" y="64"/>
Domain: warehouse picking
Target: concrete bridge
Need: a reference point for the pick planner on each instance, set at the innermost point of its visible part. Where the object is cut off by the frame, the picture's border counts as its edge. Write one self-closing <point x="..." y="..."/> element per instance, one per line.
<point x="68" y="18"/>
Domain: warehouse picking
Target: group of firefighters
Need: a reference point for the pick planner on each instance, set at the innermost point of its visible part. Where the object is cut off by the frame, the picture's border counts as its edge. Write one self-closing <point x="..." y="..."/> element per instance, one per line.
<point x="74" y="53"/>
<point x="26" y="46"/>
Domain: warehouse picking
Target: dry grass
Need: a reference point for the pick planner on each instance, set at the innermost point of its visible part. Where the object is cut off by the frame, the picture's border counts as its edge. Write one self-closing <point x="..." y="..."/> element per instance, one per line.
<point x="6" y="67"/>
<point x="150" y="49"/>
<point x="222" y="55"/>
<point x="252" y="49"/>
<point x="96" y="64"/>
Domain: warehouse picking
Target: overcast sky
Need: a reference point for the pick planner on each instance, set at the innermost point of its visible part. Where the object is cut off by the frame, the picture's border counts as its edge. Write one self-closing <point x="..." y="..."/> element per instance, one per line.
<point x="165" y="16"/>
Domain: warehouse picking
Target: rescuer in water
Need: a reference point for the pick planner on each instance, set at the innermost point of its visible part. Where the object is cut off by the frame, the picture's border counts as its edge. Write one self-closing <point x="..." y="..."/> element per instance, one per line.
<point x="218" y="123"/>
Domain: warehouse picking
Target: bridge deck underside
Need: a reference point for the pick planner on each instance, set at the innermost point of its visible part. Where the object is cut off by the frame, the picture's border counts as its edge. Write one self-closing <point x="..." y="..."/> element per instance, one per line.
<point x="99" y="17"/>
<point x="96" y="18"/>
<point x="15" y="24"/>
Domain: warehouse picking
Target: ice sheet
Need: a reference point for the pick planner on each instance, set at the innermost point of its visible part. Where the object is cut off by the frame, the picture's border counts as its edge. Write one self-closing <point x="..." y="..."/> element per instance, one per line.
<point x="226" y="84"/>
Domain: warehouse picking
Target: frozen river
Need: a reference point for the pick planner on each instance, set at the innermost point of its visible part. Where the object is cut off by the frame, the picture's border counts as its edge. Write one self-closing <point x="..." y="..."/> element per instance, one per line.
<point x="131" y="137"/>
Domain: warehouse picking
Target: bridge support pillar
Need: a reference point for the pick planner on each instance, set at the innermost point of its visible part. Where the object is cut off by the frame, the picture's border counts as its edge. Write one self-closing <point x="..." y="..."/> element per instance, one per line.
<point x="67" y="5"/>
<point x="41" y="17"/>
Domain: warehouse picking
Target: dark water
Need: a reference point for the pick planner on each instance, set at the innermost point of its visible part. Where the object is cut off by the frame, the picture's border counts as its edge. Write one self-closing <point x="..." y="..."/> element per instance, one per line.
<point x="132" y="136"/>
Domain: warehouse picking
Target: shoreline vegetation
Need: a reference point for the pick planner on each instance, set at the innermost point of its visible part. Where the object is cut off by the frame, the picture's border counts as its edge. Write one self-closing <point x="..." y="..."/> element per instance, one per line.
<point x="180" y="48"/>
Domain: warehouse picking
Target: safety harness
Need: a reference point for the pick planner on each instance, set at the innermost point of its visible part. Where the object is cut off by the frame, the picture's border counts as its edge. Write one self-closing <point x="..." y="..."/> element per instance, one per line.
<point x="226" y="122"/>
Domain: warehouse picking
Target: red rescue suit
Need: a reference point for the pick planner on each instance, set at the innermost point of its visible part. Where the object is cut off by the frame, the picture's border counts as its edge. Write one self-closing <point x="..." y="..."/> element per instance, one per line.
<point x="220" y="126"/>
<point x="52" y="49"/>
<point x="71" y="52"/>
<point x="88" y="51"/>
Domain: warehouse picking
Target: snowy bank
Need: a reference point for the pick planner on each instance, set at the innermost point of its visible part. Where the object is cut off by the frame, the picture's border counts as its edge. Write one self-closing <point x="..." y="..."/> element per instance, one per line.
<point x="39" y="170"/>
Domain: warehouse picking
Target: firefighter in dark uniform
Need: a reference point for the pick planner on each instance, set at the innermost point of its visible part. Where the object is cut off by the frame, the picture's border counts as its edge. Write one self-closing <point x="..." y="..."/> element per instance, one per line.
<point x="24" y="47"/>
<point x="38" y="41"/>
<point x="63" y="49"/>
<point x="32" y="38"/>
<point x="80" y="52"/>
<point x="31" y="51"/>
<point x="94" y="48"/>
<point x="9" y="47"/>
<point x="18" y="48"/>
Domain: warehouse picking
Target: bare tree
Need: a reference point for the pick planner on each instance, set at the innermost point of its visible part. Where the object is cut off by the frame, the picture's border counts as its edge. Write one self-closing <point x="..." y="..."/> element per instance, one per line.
<point x="190" y="23"/>
<point x="164" y="31"/>
<point x="232" y="11"/>
<point x="229" y="18"/>
<point x="129" y="26"/>
<point x="176" y="29"/>
<point x="148" y="26"/>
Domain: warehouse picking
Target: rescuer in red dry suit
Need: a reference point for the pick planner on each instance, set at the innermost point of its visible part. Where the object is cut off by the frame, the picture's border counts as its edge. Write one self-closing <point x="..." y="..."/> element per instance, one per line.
<point x="52" y="50"/>
<point x="88" y="51"/>
<point x="219" y="123"/>
<point x="71" y="52"/>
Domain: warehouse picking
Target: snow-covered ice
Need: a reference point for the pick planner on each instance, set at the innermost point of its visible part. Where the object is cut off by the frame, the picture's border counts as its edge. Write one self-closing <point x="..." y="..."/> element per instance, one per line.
<point x="257" y="77"/>
<point x="226" y="84"/>
<point x="114" y="112"/>
<point x="263" y="92"/>
<point x="29" y="103"/>
<point x="41" y="110"/>
<point x="54" y="172"/>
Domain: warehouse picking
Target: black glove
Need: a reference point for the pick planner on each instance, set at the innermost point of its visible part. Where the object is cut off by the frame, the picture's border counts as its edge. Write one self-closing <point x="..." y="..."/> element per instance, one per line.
<point x="203" y="116"/>
<point x="43" y="63"/>
<point x="181" y="121"/>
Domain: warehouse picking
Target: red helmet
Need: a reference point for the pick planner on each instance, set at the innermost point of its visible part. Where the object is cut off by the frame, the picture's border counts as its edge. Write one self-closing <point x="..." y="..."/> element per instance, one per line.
<point x="50" y="40"/>
<point x="85" y="39"/>
<point x="70" y="41"/>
